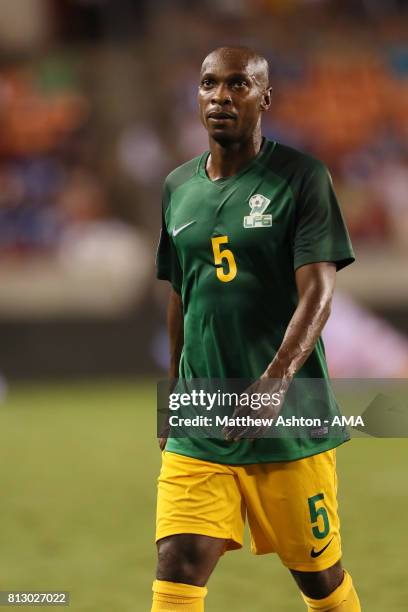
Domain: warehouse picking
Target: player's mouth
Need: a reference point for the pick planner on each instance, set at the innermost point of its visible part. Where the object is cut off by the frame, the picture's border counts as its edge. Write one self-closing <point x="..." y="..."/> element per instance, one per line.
<point x="220" y="116"/>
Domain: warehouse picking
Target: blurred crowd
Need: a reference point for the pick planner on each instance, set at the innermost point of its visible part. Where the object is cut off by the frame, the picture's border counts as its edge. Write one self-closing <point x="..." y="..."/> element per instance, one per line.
<point x="41" y="113"/>
<point x="98" y="104"/>
<point x="107" y="120"/>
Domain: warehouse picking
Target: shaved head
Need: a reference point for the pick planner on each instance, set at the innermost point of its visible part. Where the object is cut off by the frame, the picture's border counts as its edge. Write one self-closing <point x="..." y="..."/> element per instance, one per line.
<point x="233" y="93"/>
<point x="256" y="64"/>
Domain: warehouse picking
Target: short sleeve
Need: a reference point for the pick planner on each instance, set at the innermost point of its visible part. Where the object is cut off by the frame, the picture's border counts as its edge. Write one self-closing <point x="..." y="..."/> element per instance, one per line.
<point x="321" y="233"/>
<point x="167" y="261"/>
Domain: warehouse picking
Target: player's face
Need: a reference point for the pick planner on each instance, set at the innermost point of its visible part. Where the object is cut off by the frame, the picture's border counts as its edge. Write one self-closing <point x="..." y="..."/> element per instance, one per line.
<point x="230" y="98"/>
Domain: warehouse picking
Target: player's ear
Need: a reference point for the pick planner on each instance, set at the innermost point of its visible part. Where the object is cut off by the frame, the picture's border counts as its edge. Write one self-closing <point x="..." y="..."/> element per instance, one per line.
<point x="266" y="99"/>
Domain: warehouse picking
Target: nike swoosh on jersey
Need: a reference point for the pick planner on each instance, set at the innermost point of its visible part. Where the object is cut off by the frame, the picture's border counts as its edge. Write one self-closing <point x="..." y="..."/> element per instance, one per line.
<point x="316" y="553"/>
<point x="181" y="228"/>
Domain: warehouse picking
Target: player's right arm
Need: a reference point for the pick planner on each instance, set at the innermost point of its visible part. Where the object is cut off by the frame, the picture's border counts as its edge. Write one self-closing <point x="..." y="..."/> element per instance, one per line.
<point x="175" y="331"/>
<point x="176" y="340"/>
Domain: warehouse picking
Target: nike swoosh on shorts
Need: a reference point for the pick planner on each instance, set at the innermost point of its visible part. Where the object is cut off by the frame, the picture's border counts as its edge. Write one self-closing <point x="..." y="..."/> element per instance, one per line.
<point x="316" y="553"/>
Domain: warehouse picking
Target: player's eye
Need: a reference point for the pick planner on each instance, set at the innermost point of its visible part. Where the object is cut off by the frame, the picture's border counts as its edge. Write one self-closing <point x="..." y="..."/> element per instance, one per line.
<point x="206" y="83"/>
<point x="239" y="84"/>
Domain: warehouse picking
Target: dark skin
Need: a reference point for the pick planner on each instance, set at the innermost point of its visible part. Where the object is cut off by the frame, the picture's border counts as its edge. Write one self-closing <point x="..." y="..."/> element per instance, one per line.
<point x="233" y="94"/>
<point x="176" y="340"/>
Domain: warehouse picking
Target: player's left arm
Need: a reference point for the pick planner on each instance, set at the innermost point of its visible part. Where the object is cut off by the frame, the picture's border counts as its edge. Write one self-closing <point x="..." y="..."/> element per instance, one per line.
<point x="315" y="285"/>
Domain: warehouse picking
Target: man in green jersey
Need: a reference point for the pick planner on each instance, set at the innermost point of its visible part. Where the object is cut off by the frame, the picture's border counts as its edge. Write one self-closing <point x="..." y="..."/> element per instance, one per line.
<point x="252" y="236"/>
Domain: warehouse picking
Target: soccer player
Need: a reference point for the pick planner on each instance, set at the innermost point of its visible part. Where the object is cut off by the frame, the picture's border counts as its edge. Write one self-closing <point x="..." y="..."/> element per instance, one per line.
<point x="251" y="239"/>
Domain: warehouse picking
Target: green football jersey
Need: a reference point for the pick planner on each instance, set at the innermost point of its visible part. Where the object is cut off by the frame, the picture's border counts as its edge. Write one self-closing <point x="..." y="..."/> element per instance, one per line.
<point x="231" y="247"/>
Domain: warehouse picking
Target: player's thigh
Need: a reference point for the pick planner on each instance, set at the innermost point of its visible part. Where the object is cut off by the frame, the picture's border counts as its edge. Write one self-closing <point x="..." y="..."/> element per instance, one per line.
<point x="201" y="498"/>
<point x="293" y="511"/>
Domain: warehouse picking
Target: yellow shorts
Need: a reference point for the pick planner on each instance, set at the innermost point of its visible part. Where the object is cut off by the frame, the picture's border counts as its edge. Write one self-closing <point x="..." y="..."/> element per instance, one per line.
<point x="291" y="507"/>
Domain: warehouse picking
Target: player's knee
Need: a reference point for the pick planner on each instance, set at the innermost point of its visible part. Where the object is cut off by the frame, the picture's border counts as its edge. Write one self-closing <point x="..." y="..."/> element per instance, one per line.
<point x="319" y="585"/>
<point x="186" y="559"/>
<point x="174" y="567"/>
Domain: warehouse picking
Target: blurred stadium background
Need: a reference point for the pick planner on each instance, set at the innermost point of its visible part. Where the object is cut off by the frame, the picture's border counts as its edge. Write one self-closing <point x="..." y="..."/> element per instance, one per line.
<point x="97" y="104"/>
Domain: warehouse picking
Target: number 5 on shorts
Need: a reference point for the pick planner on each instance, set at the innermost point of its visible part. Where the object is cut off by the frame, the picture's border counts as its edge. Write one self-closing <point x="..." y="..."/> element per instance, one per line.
<point x="314" y="516"/>
<point x="227" y="255"/>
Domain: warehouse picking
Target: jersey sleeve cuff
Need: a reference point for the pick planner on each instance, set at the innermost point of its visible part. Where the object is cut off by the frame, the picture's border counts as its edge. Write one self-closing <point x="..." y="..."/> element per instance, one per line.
<point x="340" y="259"/>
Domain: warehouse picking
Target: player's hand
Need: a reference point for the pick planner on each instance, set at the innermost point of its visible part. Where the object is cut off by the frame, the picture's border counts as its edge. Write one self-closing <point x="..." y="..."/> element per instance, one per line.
<point x="165" y="428"/>
<point x="265" y="385"/>
<point x="163" y="435"/>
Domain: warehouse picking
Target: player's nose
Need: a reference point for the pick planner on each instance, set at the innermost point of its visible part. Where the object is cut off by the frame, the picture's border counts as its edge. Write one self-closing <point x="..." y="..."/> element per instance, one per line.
<point x="221" y="95"/>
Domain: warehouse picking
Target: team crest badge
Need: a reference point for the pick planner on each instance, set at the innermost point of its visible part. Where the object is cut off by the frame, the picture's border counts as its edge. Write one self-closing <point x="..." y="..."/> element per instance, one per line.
<point x="258" y="204"/>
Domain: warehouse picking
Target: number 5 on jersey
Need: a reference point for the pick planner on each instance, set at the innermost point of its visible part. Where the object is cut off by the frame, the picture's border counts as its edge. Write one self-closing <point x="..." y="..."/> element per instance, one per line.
<point x="222" y="259"/>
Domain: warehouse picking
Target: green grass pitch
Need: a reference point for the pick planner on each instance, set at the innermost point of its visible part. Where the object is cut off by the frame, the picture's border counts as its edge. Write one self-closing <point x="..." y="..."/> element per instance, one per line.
<point x="79" y="463"/>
